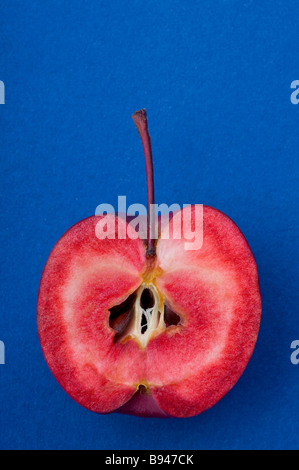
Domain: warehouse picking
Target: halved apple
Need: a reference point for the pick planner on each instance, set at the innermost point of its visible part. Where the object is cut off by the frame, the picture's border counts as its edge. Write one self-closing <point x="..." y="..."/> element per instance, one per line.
<point x="148" y="327"/>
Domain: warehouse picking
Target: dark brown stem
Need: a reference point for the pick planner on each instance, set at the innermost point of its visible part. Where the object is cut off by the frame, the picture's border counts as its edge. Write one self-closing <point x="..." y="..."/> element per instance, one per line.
<point x="140" y="120"/>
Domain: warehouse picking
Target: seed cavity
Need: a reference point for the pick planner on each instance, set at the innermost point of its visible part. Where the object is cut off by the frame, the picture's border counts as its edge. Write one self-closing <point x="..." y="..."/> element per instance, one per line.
<point x="147" y="299"/>
<point x="170" y="317"/>
<point x="141" y="316"/>
<point x="121" y="316"/>
<point x="144" y="322"/>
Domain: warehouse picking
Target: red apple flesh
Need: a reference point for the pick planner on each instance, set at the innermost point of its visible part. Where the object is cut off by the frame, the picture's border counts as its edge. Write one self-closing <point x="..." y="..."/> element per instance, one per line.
<point x="147" y="327"/>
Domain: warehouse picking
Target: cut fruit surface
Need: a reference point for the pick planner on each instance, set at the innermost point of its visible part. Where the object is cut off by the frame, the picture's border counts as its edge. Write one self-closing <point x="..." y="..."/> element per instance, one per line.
<point x="83" y="278"/>
<point x="216" y="292"/>
<point x="159" y="336"/>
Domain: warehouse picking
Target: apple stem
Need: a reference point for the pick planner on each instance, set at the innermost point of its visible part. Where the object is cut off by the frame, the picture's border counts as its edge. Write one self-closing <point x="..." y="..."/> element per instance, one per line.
<point x="140" y="120"/>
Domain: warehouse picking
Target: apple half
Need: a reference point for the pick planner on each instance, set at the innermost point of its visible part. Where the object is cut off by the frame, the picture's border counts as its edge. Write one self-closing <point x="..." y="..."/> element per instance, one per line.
<point x="147" y="327"/>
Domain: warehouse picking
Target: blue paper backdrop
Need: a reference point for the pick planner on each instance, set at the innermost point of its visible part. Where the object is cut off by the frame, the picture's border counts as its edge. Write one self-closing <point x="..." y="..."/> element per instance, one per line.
<point x="215" y="78"/>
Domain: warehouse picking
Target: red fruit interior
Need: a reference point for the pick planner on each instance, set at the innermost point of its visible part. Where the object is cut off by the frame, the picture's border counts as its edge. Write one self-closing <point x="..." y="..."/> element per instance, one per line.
<point x="196" y="353"/>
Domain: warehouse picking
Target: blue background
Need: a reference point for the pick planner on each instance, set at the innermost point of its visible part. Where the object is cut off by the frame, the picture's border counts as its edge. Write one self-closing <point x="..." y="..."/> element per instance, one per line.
<point x="215" y="78"/>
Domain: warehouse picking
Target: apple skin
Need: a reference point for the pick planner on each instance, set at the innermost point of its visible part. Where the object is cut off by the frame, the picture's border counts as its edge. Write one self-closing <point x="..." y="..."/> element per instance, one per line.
<point x="144" y="406"/>
<point x="187" y="368"/>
